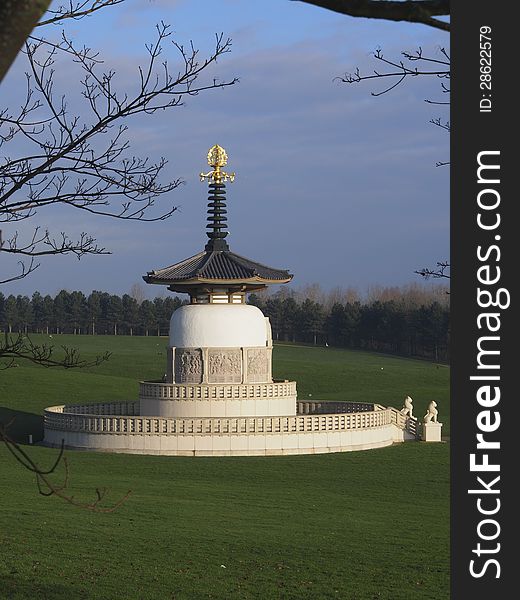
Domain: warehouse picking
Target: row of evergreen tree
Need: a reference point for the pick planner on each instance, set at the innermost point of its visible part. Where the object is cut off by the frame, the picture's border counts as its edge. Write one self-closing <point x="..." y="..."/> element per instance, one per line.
<point x="395" y="326"/>
<point x="98" y="313"/>
<point x="392" y="326"/>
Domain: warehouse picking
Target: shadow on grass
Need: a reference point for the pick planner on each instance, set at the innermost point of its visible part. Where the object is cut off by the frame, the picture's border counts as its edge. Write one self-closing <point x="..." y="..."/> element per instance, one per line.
<point x="21" y="589"/>
<point x="21" y="425"/>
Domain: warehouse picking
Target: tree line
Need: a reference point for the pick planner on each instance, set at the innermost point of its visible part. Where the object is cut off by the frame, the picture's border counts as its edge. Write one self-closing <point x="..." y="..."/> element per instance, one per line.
<point x="97" y="313"/>
<point x="408" y="322"/>
<point x="394" y="325"/>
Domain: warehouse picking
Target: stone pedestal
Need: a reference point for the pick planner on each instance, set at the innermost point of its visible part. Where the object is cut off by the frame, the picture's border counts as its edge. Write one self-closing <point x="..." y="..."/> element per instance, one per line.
<point x="431" y="432"/>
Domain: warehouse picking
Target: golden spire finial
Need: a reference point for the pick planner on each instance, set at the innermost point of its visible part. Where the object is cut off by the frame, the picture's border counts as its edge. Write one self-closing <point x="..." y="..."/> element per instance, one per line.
<point x="217" y="158"/>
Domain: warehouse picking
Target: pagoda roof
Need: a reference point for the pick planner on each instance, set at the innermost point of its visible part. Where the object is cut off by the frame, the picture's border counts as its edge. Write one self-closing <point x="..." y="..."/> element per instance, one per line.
<point x="214" y="267"/>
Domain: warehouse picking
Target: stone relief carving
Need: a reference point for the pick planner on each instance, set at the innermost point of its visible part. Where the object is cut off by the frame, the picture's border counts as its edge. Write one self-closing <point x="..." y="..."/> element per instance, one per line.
<point x="258" y="370"/>
<point x="224" y="362"/>
<point x="188" y="366"/>
<point x="407" y="409"/>
<point x="224" y="366"/>
<point x="256" y="362"/>
<point x="431" y="413"/>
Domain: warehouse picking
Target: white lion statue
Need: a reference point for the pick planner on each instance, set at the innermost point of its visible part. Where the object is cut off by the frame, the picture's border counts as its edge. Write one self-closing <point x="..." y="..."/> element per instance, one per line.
<point x="407" y="409"/>
<point x="431" y="413"/>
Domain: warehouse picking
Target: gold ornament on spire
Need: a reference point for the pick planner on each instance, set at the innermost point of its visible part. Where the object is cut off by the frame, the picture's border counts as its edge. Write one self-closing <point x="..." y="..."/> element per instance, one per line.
<point x="217" y="158"/>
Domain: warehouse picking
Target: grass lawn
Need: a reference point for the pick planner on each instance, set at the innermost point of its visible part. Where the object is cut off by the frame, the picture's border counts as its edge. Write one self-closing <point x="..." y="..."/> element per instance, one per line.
<point x="354" y="526"/>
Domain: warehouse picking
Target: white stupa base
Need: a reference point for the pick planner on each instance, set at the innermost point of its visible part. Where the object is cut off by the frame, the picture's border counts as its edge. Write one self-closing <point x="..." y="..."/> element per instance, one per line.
<point x="217" y="400"/>
<point x="228" y="445"/>
<point x="116" y="428"/>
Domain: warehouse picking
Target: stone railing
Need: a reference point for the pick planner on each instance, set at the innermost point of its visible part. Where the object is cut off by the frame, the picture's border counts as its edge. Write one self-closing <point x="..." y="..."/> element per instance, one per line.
<point x="215" y="391"/>
<point x="308" y="407"/>
<point x="403" y="422"/>
<point x="61" y="418"/>
<point x="106" y="408"/>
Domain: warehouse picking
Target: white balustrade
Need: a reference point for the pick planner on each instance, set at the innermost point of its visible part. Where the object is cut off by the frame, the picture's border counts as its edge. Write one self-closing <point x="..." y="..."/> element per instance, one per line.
<point x="182" y="391"/>
<point x="111" y="418"/>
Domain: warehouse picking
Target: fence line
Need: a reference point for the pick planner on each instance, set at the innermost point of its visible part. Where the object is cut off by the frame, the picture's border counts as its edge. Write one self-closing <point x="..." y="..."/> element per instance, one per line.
<point x="121" y="418"/>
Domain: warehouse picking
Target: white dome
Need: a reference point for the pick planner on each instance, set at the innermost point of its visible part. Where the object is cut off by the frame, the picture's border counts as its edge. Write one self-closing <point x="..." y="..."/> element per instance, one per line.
<point x="218" y="326"/>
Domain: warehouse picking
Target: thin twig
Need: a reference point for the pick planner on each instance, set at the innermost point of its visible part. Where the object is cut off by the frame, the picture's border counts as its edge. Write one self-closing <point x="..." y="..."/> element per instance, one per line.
<point x="47" y="487"/>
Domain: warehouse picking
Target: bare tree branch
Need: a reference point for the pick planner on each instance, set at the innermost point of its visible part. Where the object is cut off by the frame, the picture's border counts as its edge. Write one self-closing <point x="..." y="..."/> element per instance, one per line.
<point x="76" y="10"/>
<point x="82" y="160"/>
<point x="442" y="124"/>
<point x="20" y="347"/>
<point x="25" y="269"/>
<point x="398" y="70"/>
<point x="440" y="272"/>
<point x="45" y="483"/>
<point x="413" y="11"/>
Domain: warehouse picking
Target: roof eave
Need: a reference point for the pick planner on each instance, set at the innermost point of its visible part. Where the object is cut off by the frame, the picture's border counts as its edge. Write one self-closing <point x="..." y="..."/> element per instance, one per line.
<point x="205" y="280"/>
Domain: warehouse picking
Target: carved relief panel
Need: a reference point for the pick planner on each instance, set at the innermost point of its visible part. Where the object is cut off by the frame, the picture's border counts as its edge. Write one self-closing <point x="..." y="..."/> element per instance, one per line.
<point x="188" y="365"/>
<point x="224" y="366"/>
<point x="257" y="365"/>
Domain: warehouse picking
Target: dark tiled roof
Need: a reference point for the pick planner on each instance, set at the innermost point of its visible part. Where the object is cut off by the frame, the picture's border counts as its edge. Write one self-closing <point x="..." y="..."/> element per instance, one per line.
<point x="216" y="266"/>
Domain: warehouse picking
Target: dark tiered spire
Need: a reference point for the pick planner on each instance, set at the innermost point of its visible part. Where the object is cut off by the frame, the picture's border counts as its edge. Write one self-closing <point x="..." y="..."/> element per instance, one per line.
<point x="217" y="220"/>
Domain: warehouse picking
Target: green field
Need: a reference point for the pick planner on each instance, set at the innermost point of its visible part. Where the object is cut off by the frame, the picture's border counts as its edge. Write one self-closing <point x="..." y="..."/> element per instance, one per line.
<point x="354" y="526"/>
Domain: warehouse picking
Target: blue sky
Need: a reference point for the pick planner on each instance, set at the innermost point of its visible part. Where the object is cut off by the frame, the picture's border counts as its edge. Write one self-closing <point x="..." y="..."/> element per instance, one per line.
<point x="332" y="183"/>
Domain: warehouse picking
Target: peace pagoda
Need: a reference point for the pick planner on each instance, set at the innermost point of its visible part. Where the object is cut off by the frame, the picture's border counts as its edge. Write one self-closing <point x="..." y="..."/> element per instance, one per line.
<point x="218" y="396"/>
